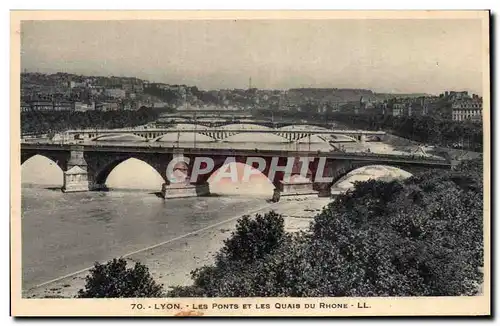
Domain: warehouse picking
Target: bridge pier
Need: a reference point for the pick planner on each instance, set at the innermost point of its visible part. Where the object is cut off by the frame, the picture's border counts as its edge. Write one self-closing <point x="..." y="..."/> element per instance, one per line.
<point x="297" y="188"/>
<point x="76" y="176"/>
<point x="178" y="183"/>
<point x="299" y="184"/>
<point x="182" y="190"/>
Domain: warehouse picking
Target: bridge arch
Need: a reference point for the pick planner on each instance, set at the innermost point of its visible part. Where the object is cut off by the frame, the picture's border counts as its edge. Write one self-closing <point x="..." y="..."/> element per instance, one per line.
<point x="231" y="124"/>
<point x="373" y="138"/>
<point x="346" y="177"/>
<point x="59" y="160"/>
<point x="237" y="178"/>
<point x="258" y="137"/>
<point x="119" y="137"/>
<point x="342" y="138"/>
<point x="189" y="126"/>
<point x="245" y="126"/>
<point x="241" y="174"/>
<point x="40" y="169"/>
<point x="128" y="172"/>
<point x="313" y="139"/>
<point x="305" y="127"/>
<point x="327" y="126"/>
<point x="183" y="137"/>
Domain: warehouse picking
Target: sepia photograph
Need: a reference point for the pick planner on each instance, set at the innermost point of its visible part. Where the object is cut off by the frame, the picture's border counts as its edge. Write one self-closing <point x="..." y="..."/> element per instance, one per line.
<point x="266" y="163"/>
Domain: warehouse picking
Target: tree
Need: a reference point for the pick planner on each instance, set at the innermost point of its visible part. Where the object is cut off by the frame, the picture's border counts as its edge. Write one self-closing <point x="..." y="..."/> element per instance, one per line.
<point x="252" y="241"/>
<point x="40" y="122"/>
<point x="115" y="280"/>
<point x="253" y="238"/>
<point x="425" y="129"/>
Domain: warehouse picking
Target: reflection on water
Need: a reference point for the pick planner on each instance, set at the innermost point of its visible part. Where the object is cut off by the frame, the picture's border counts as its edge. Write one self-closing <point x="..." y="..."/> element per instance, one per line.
<point x="63" y="233"/>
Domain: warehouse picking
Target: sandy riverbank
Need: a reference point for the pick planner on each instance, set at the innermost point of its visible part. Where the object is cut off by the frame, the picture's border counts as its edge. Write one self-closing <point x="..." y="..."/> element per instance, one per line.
<point x="171" y="263"/>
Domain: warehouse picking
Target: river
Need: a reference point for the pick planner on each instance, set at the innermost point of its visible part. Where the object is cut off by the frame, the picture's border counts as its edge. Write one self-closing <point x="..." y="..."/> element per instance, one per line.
<point x="64" y="233"/>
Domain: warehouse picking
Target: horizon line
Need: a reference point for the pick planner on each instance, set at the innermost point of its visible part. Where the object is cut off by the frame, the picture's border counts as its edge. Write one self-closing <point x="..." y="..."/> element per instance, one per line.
<point x="29" y="71"/>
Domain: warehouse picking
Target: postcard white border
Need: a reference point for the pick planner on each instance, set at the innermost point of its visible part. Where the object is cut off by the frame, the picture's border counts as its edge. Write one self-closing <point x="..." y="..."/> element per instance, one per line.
<point x="479" y="305"/>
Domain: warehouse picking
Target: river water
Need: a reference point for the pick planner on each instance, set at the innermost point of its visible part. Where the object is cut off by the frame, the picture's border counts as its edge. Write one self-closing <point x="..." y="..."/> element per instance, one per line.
<point x="63" y="233"/>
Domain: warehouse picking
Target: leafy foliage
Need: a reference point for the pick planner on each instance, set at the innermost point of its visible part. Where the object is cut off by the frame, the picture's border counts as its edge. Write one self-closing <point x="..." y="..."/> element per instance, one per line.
<point x="425" y="129"/>
<point x="418" y="237"/>
<point x="115" y="280"/>
<point x="254" y="238"/>
<point x="54" y="121"/>
<point x="252" y="241"/>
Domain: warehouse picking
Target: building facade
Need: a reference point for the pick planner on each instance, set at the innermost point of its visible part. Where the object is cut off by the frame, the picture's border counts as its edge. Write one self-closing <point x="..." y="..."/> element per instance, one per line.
<point x="42" y="105"/>
<point x="25" y="107"/>
<point x="467" y="110"/>
<point x="398" y="109"/>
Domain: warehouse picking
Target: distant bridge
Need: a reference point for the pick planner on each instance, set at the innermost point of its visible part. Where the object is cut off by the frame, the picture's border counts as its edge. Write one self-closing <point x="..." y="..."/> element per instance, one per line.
<point x="222" y="133"/>
<point x="213" y="123"/>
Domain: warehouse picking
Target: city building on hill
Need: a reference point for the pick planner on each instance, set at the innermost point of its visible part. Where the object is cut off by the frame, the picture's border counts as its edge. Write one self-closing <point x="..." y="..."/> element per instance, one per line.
<point x="138" y="88"/>
<point x="46" y="105"/>
<point x="127" y="106"/>
<point x="96" y="90"/>
<point x="159" y="104"/>
<point x="127" y="87"/>
<point x="84" y="106"/>
<point x="366" y="103"/>
<point x="80" y="93"/>
<point x="455" y="95"/>
<point x="115" y="92"/>
<point x="107" y="106"/>
<point x="42" y="105"/>
<point x="459" y="95"/>
<point x="399" y="109"/>
<point x="469" y="109"/>
<point x="73" y="84"/>
<point x="406" y="107"/>
<point x="25" y="107"/>
<point x="63" y="106"/>
<point x="418" y="109"/>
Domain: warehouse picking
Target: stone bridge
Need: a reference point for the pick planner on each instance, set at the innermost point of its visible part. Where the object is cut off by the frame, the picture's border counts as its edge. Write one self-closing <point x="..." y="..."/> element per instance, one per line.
<point x="87" y="166"/>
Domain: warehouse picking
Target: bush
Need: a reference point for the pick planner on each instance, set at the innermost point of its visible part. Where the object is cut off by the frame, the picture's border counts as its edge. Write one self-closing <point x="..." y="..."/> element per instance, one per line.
<point x="254" y="238"/>
<point x="115" y="280"/>
<point x="418" y="237"/>
<point x="252" y="241"/>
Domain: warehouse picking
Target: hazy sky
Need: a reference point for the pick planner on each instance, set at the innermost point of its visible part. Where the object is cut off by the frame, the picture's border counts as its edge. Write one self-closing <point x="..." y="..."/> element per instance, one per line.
<point x="384" y="55"/>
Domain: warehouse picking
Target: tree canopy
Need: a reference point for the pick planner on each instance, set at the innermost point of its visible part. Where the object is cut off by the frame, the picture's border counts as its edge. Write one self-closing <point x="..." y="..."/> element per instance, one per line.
<point x="115" y="280"/>
<point x="54" y="121"/>
<point x="418" y="237"/>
